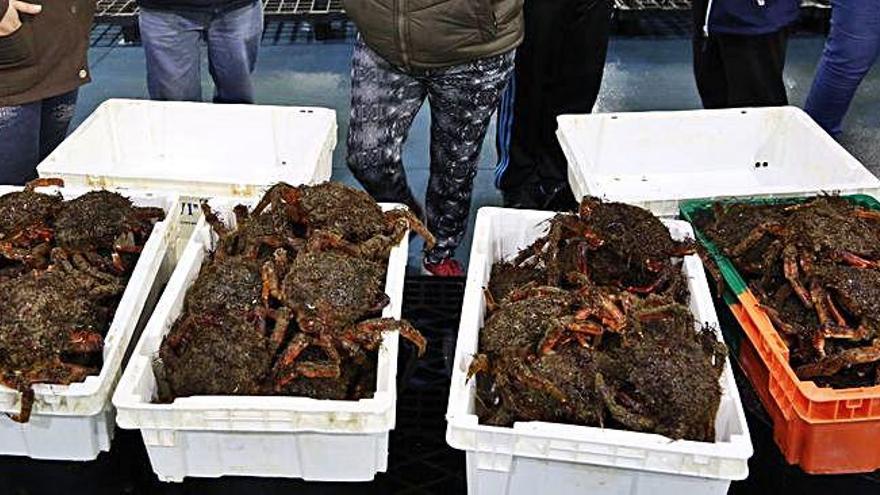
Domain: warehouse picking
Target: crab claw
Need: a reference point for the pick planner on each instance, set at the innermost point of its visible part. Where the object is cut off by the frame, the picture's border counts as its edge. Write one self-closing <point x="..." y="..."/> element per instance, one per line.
<point x="480" y="364"/>
<point x="369" y="333"/>
<point x="413" y="223"/>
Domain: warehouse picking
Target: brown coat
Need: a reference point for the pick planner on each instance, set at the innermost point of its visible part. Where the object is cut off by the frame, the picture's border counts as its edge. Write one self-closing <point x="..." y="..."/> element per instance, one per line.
<point x="426" y="34"/>
<point x="47" y="56"/>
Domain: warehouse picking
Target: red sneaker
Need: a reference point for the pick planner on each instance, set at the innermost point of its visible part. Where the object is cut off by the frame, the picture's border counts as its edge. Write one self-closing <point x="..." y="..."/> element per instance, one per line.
<point x="446" y="268"/>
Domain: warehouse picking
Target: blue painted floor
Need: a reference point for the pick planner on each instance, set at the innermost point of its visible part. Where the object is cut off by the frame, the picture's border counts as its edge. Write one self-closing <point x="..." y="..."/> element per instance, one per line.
<point x="643" y="73"/>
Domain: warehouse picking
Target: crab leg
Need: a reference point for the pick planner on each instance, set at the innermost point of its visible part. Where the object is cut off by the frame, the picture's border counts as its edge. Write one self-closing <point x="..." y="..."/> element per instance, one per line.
<point x="282" y="322"/>
<point x="297" y="345"/>
<point x="27" y="405"/>
<point x="271" y="286"/>
<point x="778" y="322"/>
<point x="835" y="312"/>
<point x="755" y="236"/>
<point x="832" y="365"/>
<point x="413" y="223"/>
<point x="867" y="214"/>
<point x="43" y="182"/>
<point x="480" y="364"/>
<point x="491" y="305"/>
<point x="317" y="370"/>
<point x="857" y="261"/>
<point x="369" y="333"/>
<point x="790" y="268"/>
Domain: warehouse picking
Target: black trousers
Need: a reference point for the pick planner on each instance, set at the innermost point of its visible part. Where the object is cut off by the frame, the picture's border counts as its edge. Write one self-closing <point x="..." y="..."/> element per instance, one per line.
<point x="559" y="69"/>
<point x="738" y="70"/>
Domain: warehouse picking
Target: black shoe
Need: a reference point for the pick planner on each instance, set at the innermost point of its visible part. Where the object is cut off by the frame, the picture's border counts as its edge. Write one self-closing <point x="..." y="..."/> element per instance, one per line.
<point x="562" y="199"/>
<point x="520" y="198"/>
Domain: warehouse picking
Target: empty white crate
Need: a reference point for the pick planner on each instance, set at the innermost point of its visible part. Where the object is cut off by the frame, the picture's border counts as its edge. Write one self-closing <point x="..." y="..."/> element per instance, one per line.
<point x="198" y="150"/>
<point x="656" y="159"/>
<point x="76" y="421"/>
<point x="537" y="457"/>
<point x="290" y="437"/>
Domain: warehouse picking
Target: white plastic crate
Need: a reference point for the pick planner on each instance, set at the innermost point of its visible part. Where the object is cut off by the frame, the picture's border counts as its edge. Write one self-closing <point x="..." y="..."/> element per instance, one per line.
<point x="290" y="437"/>
<point x="656" y="159"/>
<point x="76" y="421"/>
<point x="538" y="457"/>
<point x="198" y="150"/>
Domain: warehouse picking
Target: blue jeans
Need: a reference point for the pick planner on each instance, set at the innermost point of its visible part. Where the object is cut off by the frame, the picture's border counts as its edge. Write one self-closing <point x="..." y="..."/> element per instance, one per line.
<point x="172" y="44"/>
<point x="851" y="49"/>
<point x="28" y="133"/>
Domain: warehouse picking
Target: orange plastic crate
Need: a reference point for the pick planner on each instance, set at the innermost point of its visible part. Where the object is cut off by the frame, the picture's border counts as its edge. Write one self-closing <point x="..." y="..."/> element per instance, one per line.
<point x="825" y="431"/>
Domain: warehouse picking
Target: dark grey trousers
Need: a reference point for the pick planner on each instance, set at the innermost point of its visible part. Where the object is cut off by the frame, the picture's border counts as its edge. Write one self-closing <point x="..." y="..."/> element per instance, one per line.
<point x="384" y="101"/>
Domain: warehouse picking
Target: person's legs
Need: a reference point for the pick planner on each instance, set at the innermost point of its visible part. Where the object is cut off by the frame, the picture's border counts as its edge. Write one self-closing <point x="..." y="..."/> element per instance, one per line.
<point x="559" y="69"/>
<point x="518" y="123"/>
<point x="56" y="114"/>
<point x="19" y="143"/>
<point x="754" y="66"/>
<point x="462" y="101"/>
<point x="233" y="42"/>
<point x="709" y="72"/>
<point x="574" y="87"/>
<point x="384" y="102"/>
<point x="171" y="45"/>
<point x="851" y="49"/>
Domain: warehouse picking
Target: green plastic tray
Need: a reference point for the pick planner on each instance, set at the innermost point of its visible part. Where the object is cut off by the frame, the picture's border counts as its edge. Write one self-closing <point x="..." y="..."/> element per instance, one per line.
<point x="690" y="208"/>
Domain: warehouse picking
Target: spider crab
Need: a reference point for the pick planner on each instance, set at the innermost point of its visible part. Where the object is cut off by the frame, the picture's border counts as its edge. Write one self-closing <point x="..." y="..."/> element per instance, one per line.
<point x="25" y="216"/>
<point x="52" y="323"/>
<point x="328" y="293"/>
<point x="105" y="222"/>
<point x="344" y="213"/>
<point x="612" y="243"/>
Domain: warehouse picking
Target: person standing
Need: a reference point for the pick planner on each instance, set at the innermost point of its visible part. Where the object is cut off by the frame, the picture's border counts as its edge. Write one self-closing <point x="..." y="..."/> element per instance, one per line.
<point x="850" y="51"/>
<point x="739" y="51"/>
<point x="559" y="69"/>
<point x="43" y="63"/>
<point x="457" y="54"/>
<point x="171" y="32"/>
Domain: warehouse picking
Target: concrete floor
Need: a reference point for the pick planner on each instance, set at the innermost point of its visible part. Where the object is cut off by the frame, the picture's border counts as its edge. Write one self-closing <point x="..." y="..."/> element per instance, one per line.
<point x="643" y="73"/>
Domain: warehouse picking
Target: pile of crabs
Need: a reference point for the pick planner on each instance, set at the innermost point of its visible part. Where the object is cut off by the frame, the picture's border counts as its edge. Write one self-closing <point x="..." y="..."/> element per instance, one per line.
<point x="590" y="326"/>
<point x="63" y="268"/>
<point x="815" y="268"/>
<point x="288" y="302"/>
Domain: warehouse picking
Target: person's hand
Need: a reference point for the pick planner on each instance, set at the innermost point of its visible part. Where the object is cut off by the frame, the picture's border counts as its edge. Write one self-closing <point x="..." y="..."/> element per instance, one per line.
<point x="11" y="20"/>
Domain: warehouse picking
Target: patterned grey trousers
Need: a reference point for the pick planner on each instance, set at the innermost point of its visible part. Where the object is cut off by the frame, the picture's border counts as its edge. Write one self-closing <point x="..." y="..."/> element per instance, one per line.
<point x="384" y="101"/>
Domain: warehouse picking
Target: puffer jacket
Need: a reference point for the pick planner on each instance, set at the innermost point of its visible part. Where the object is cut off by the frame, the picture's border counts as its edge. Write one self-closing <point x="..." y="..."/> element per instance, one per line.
<point x="46" y="57"/>
<point x="427" y="34"/>
<point x="750" y="17"/>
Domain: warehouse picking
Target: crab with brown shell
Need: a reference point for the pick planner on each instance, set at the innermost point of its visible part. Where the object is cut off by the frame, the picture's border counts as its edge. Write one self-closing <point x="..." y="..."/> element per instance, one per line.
<point x="847" y="302"/>
<point x="612" y="244"/>
<point x="348" y="214"/>
<point x="254" y="234"/>
<point x="105" y="223"/>
<point x="25" y="223"/>
<point x="52" y="324"/>
<point x="214" y="353"/>
<point x="329" y="293"/>
<point x="515" y="386"/>
<point x="823" y="228"/>
<point x="663" y="377"/>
